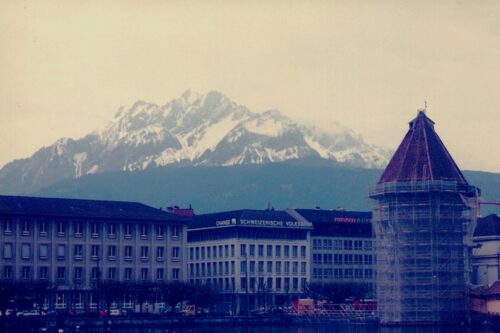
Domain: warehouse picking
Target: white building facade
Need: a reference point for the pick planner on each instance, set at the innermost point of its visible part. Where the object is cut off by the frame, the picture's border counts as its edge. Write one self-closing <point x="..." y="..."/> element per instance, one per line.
<point x="486" y="251"/>
<point x="257" y="258"/>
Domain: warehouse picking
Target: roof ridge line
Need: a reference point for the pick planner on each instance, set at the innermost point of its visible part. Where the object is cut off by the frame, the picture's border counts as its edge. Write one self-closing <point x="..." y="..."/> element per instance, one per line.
<point x="406" y="150"/>
<point x="427" y="152"/>
<point x="451" y="158"/>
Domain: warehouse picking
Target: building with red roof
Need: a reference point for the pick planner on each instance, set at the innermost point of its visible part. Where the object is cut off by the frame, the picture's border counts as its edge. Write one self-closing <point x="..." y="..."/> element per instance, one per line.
<point x="486" y="299"/>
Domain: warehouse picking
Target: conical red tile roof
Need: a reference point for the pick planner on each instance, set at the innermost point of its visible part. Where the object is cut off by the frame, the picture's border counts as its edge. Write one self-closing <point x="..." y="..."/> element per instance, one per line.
<point x="421" y="156"/>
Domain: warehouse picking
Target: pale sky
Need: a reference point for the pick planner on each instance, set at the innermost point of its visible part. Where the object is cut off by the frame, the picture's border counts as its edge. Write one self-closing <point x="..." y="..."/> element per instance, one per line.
<point x="67" y="66"/>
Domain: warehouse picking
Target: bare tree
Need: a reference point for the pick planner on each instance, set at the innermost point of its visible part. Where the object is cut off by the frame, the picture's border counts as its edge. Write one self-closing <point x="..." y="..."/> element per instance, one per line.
<point x="337" y="292"/>
<point x="175" y="292"/>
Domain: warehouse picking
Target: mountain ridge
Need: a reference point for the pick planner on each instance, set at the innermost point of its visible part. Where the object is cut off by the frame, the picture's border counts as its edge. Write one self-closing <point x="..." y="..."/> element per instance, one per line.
<point x="193" y="129"/>
<point x="301" y="183"/>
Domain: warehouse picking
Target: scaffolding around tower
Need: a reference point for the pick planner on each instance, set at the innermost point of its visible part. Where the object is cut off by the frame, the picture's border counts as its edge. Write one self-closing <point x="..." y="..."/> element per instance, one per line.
<point x="422" y="233"/>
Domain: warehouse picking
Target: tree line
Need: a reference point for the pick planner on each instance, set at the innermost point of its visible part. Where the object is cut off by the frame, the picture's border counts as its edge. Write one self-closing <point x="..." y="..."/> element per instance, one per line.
<point x="338" y="292"/>
<point x="23" y="294"/>
<point x="170" y="292"/>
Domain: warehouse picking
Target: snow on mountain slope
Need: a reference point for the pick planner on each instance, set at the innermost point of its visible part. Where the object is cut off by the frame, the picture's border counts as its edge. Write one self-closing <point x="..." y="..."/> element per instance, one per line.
<point x="78" y="159"/>
<point x="343" y="145"/>
<point x="269" y="123"/>
<point x="263" y="138"/>
<point x="193" y="129"/>
<point x="206" y="138"/>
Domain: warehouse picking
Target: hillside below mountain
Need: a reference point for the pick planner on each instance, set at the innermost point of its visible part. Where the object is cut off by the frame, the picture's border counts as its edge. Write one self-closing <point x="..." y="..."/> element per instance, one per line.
<point x="305" y="183"/>
<point x="192" y="130"/>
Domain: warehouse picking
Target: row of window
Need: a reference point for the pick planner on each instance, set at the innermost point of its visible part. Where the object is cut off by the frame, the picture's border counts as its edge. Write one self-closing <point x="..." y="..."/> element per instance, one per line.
<point x="79" y="301"/>
<point x="339" y="273"/>
<point x="339" y="259"/>
<point x="339" y="244"/>
<point x="246" y="233"/>
<point x="252" y="267"/>
<point x="269" y="250"/>
<point x="267" y="284"/>
<point x="210" y="252"/>
<point x="94" y="228"/>
<point x="260" y="250"/>
<point x="210" y="269"/>
<point x="255" y="284"/>
<point x="223" y="284"/>
<point x="112" y="273"/>
<point x="61" y="252"/>
<point x="277" y="267"/>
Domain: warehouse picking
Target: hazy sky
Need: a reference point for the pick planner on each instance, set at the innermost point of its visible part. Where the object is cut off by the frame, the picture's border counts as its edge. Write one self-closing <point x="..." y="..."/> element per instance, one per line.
<point x="66" y="66"/>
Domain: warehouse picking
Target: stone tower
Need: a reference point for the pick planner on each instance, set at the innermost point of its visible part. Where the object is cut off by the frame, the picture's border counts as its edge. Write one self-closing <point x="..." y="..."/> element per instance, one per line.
<point x="423" y="212"/>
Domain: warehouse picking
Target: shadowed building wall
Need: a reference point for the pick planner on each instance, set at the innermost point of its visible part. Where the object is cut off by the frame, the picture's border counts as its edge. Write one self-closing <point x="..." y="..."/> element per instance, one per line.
<point x="75" y="245"/>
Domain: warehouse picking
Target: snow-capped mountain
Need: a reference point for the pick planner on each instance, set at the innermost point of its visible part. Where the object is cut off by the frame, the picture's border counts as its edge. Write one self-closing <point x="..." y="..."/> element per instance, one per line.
<point x="193" y="129"/>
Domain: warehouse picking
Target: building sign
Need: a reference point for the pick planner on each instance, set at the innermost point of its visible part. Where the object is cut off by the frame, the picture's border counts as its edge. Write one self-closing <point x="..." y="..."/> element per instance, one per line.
<point x="350" y="220"/>
<point x="272" y="223"/>
<point x="226" y="222"/>
<point x="264" y="223"/>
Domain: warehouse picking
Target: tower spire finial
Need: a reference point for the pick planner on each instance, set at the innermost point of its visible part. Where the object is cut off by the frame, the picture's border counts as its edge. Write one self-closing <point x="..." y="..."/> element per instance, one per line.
<point x="424" y="109"/>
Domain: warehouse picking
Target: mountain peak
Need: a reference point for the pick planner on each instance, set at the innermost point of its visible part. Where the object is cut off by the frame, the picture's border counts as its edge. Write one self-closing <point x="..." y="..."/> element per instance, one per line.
<point x="215" y="99"/>
<point x="193" y="129"/>
<point x="191" y="97"/>
<point x="273" y="113"/>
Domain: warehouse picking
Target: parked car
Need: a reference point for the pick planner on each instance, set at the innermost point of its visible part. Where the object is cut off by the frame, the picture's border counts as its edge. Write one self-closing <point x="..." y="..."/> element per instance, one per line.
<point x="29" y="313"/>
<point x="116" y="312"/>
<point x="189" y="310"/>
<point x="33" y="313"/>
<point x="7" y="313"/>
